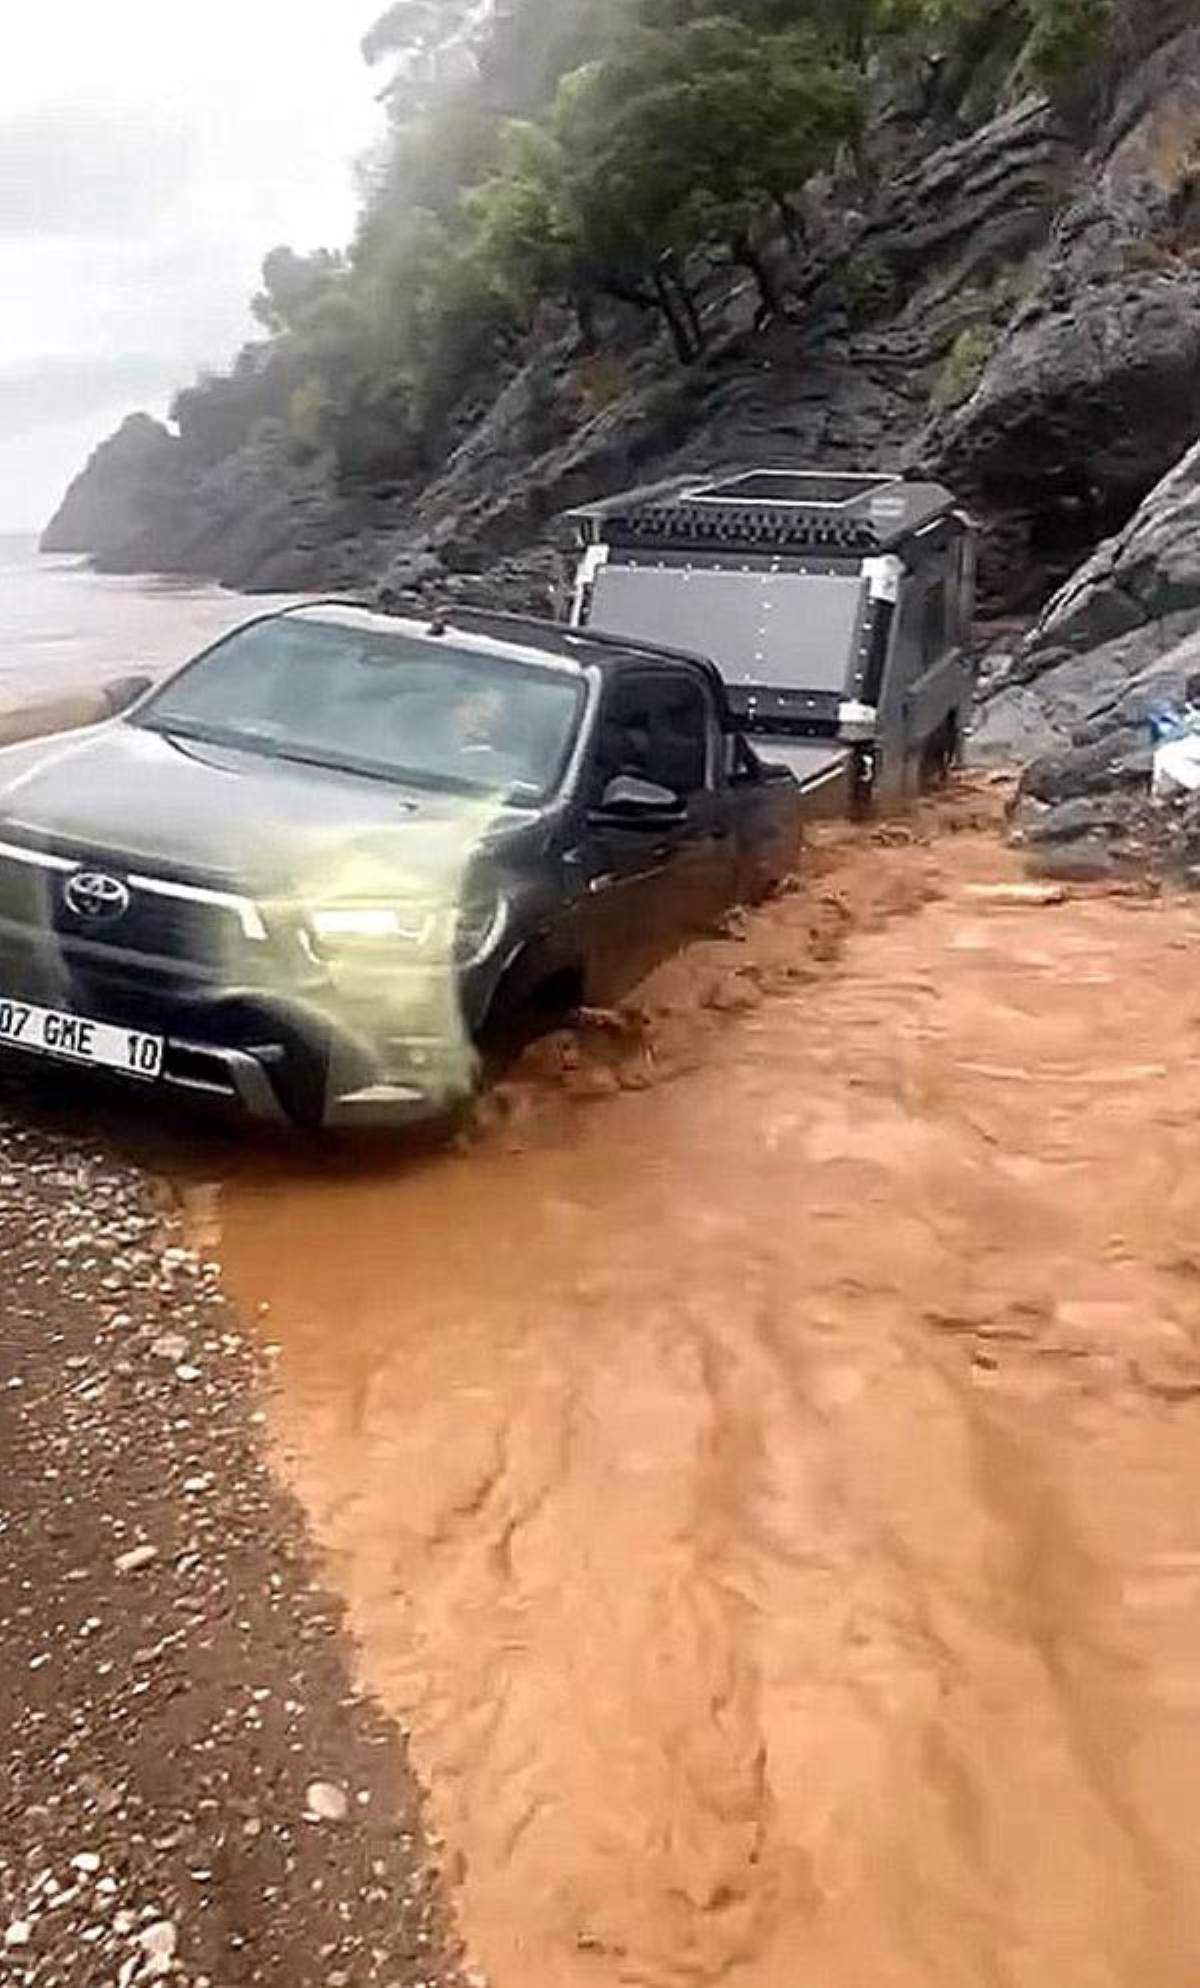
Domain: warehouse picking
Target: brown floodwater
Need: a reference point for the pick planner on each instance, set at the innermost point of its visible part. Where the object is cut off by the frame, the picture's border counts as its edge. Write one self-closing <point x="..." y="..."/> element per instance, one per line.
<point x="764" y="1471"/>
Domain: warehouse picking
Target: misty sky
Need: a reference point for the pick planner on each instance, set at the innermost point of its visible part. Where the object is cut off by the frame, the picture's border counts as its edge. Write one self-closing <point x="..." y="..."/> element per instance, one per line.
<point x="150" y="153"/>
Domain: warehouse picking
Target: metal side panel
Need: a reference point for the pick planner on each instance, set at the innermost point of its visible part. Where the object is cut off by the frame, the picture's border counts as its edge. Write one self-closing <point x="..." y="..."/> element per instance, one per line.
<point x="793" y="630"/>
<point x="825" y="772"/>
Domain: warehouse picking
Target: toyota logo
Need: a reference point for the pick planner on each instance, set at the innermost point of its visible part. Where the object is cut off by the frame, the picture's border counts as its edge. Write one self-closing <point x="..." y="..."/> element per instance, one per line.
<point x="96" y="898"/>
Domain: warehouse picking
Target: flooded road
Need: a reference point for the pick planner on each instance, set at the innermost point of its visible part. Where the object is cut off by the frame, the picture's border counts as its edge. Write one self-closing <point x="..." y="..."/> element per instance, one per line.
<point x="765" y="1472"/>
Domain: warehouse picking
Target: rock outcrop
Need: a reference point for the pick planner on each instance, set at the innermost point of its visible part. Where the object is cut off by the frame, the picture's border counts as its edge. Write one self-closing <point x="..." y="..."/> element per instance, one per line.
<point x="1017" y="310"/>
<point x="114" y="500"/>
<point x="1093" y="389"/>
<point x="1075" y="703"/>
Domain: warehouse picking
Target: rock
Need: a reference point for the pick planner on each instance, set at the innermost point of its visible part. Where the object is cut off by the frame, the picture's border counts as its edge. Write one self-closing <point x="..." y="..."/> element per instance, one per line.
<point x="1094" y="389"/>
<point x="129" y="478"/>
<point x="1087" y="862"/>
<point x="170" y="1346"/>
<point x="1115" y="761"/>
<point x="324" y="1801"/>
<point x="136" y="1558"/>
<point x="18" y="1933"/>
<point x="159" y="1943"/>
<point x="87" y="1862"/>
<point x="1016" y="894"/>
<point x="1072" y="820"/>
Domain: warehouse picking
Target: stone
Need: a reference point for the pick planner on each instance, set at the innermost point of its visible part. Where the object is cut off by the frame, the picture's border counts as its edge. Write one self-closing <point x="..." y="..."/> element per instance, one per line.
<point x="137" y="1557"/>
<point x="1086" y="862"/>
<point x="1072" y="820"/>
<point x="324" y="1801"/>
<point x="169" y="1346"/>
<point x="159" y="1942"/>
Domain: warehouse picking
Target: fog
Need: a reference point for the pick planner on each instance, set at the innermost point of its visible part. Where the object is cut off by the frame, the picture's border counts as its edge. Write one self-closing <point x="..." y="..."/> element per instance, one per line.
<point x="149" y="155"/>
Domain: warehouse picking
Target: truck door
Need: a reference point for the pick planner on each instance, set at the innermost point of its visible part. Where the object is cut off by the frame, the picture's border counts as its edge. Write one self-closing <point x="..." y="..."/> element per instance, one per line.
<point x="651" y="886"/>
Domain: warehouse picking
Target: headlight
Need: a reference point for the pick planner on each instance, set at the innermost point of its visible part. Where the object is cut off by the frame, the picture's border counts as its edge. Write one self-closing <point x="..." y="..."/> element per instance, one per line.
<point x="470" y="930"/>
<point x="336" y="922"/>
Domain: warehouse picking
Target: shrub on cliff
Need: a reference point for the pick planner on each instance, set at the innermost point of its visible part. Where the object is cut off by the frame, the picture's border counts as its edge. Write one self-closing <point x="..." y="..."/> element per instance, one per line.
<point x="584" y="151"/>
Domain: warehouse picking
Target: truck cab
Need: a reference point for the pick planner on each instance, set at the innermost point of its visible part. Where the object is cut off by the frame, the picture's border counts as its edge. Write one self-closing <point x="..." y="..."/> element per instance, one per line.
<point x="837" y="608"/>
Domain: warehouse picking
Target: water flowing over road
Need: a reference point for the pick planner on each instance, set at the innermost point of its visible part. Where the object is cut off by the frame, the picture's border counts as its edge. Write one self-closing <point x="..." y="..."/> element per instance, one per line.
<point x="763" y="1470"/>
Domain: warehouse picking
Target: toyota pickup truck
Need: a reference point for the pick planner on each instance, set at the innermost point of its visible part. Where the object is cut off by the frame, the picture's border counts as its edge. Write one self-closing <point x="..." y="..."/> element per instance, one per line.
<point x="307" y="874"/>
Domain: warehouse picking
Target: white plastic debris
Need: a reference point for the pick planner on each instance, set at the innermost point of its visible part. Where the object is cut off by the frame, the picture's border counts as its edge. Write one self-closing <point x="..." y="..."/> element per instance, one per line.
<point x="1176" y="768"/>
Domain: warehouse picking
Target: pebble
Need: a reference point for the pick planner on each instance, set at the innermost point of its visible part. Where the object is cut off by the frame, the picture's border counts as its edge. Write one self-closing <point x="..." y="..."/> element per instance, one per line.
<point x="87" y="1861"/>
<point x="158" y="1943"/>
<point x="324" y="1802"/>
<point x="169" y="1346"/>
<point x="137" y="1556"/>
<point x="18" y="1934"/>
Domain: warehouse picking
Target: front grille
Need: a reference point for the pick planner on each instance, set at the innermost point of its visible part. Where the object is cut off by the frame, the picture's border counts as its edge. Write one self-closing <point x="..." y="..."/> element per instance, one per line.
<point x="163" y="927"/>
<point x="168" y="928"/>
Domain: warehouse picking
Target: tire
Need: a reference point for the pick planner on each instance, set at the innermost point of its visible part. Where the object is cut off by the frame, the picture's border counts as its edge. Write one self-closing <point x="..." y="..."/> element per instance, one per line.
<point x="939" y="755"/>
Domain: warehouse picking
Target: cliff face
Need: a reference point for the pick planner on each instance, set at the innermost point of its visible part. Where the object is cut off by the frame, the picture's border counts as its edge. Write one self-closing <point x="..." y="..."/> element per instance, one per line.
<point x="1017" y="310"/>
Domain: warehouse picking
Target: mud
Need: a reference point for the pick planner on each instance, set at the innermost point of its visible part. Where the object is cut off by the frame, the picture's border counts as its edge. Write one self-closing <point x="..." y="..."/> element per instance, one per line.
<point x="764" y="1471"/>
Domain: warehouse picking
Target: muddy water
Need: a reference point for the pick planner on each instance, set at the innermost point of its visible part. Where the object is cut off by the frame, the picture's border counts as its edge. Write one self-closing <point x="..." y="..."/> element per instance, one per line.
<point x="771" y="1497"/>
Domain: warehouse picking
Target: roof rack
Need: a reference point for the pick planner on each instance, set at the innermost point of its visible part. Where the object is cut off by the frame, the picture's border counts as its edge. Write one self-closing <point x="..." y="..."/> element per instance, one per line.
<point x="767" y="511"/>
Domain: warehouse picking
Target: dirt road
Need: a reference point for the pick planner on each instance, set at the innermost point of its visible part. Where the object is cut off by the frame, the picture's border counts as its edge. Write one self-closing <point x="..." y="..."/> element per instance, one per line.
<point x="771" y="1496"/>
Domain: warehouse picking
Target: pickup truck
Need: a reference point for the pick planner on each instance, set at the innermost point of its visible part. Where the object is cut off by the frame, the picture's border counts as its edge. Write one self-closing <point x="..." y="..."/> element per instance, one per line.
<point x="305" y="875"/>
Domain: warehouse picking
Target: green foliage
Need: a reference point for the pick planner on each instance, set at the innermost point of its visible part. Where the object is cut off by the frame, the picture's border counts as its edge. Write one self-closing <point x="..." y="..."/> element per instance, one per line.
<point x="963" y="369"/>
<point x="1067" y="39"/>
<point x="578" y="151"/>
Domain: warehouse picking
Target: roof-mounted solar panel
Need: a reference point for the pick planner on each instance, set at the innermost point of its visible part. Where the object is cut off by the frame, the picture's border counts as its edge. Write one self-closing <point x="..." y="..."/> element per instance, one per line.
<point x="771" y="511"/>
<point x="792" y="486"/>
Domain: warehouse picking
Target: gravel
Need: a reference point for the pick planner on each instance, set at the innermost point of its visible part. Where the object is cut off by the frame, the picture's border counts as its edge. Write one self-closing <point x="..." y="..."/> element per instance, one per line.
<point x="192" y="1790"/>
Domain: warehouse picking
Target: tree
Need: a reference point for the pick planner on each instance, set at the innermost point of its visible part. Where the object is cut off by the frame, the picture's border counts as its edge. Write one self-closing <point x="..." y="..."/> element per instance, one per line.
<point x="690" y="136"/>
<point x="293" y="284"/>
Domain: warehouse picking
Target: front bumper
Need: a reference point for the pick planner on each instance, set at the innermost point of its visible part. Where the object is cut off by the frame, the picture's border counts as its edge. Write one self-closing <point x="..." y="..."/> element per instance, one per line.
<point x="254" y="1052"/>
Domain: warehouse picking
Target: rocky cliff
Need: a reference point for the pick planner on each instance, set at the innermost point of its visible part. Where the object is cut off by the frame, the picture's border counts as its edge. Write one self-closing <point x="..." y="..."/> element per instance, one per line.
<point x="1016" y="308"/>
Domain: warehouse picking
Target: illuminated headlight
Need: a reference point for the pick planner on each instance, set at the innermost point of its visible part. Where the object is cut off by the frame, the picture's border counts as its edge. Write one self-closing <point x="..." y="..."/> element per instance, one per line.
<point x="337" y="923"/>
<point x="470" y="930"/>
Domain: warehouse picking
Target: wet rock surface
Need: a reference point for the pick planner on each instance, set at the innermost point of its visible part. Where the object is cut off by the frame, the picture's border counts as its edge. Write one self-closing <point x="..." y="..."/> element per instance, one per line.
<point x="1078" y="700"/>
<point x="1016" y="307"/>
<point x="176" y="1682"/>
<point x="1091" y="392"/>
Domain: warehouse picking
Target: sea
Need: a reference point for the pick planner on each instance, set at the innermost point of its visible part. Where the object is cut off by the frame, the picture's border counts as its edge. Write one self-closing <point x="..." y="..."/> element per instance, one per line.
<point x="65" y="628"/>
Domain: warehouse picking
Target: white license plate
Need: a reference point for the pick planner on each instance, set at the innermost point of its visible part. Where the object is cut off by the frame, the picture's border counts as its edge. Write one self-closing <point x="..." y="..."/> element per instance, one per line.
<point x="75" y="1039"/>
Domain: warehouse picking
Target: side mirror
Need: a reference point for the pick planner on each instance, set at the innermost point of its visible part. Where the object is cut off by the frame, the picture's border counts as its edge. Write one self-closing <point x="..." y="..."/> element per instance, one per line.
<point x="123" y="691"/>
<point x="628" y="802"/>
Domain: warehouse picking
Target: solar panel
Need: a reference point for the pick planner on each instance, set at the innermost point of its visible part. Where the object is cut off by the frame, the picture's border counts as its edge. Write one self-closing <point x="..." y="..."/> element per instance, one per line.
<point x="791" y="486"/>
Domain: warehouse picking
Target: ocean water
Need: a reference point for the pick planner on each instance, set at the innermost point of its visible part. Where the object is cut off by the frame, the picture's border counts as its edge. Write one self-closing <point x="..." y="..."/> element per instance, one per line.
<point x="64" y="628"/>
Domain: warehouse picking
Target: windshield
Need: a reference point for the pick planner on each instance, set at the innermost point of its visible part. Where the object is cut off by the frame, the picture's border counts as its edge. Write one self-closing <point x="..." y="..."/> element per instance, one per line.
<point x="365" y="700"/>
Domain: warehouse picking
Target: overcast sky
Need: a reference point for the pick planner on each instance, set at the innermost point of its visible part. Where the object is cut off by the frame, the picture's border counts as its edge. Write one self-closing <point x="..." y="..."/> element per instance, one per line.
<point x="150" y="154"/>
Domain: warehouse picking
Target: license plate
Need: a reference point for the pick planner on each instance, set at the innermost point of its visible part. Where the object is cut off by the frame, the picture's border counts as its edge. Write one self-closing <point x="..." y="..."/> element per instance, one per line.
<point x="75" y="1039"/>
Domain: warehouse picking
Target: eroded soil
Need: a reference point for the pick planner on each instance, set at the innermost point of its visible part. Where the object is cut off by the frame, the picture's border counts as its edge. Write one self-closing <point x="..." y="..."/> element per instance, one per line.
<point x="764" y="1471"/>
